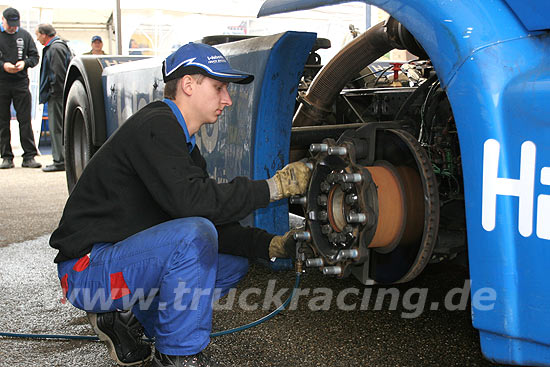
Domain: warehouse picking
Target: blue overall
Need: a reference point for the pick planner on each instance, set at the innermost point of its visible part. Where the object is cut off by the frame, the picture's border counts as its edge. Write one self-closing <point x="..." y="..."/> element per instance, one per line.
<point x="169" y="275"/>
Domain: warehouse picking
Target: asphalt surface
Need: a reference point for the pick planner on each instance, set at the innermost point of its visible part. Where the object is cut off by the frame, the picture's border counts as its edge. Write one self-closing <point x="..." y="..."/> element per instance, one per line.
<point x="314" y="331"/>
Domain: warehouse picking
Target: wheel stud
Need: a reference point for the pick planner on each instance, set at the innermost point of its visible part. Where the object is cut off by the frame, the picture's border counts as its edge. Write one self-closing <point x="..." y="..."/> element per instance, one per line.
<point x="354" y="217"/>
<point x="318" y="148"/>
<point x="337" y="151"/>
<point x="302" y="236"/>
<point x="300" y="200"/>
<point x="332" y="270"/>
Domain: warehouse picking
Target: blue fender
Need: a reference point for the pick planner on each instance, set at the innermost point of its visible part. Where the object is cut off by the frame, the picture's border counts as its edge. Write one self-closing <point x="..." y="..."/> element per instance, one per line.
<point x="277" y="63"/>
<point x="492" y="58"/>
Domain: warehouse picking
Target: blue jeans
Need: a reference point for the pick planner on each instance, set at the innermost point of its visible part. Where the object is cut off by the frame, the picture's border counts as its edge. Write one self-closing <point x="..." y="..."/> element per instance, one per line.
<point x="169" y="275"/>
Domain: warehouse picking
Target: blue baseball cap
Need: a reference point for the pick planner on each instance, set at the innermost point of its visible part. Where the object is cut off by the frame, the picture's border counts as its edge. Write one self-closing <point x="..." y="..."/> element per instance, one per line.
<point x="96" y="38"/>
<point x="199" y="58"/>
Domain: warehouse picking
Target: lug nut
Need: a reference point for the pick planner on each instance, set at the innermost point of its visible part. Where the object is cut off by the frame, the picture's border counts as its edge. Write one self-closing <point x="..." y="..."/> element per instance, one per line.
<point x="325" y="187"/>
<point x="326" y="229"/>
<point x="318" y="148"/>
<point x="333" y="237"/>
<point x="337" y="151"/>
<point x="347" y="186"/>
<point x="317" y="262"/>
<point x="354" y="217"/>
<point x="332" y="178"/>
<point x="302" y="236"/>
<point x="348" y="228"/>
<point x="341" y="238"/>
<point x="300" y="200"/>
<point x="322" y="216"/>
<point x="332" y="270"/>
<point x="351" y="199"/>
<point x="322" y="200"/>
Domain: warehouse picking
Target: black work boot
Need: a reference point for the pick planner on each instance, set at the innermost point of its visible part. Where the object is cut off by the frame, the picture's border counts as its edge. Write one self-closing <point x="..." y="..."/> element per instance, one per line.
<point x="30" y="163"/>
<point x="195" y="360"/>
<point x="7" y="163"/>
<point x="122" y="332"/>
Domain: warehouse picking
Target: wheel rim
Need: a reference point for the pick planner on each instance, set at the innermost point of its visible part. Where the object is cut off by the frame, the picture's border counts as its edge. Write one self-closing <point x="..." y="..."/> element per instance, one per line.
<point x="80" y="142"/>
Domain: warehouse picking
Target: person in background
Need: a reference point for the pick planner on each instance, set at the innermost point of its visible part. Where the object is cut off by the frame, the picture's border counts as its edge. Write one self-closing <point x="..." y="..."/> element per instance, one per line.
<point x="17" y="53"/>
<point x="56" y="57"/>
<point x="97" y="47"/>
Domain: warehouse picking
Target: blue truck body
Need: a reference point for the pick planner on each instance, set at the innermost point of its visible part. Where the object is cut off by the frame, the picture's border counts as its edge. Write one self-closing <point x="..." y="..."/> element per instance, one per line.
<point x="492" y="59"/>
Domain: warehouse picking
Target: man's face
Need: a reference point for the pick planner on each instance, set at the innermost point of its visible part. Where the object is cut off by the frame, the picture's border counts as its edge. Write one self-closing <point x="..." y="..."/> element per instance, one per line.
<point x="41" y="37"/>
<point x="97" y="45"/>
<point x="9" y="30"/>
<point x="211" y="97"/>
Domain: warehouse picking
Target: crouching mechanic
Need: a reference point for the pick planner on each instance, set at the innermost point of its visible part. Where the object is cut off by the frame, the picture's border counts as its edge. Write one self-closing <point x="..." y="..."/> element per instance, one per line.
<point x="147" y="235"/>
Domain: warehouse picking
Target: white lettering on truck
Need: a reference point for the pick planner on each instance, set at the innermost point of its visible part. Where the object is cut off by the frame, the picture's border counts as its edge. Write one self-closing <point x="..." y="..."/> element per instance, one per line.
<point x="523" y="188"/>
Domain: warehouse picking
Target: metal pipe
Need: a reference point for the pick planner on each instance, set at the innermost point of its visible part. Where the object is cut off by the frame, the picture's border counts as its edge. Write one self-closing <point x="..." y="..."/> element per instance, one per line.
<point x="118" y="28"/>
<point x="357" y="54"/>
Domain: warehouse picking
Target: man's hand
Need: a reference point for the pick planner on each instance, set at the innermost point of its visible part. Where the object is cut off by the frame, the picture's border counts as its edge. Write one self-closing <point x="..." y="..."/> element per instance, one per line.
<point x="283" y="246"/>
<point x="291" y="180"/>
<point x="10" y="68"/>
<point x="20" y="65"/>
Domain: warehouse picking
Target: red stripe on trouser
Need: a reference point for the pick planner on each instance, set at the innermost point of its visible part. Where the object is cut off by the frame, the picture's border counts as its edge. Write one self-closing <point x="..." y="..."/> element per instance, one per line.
<point x="65" y="287"/>
<point x="119" y="288"/>
<point x="82" y="263"/>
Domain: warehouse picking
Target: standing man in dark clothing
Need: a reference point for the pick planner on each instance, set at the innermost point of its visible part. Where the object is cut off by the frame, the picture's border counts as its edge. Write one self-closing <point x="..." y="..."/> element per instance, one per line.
<point x="56" y="57"/>
<point x="146" y="220"/>
<point x="17" y="53"/>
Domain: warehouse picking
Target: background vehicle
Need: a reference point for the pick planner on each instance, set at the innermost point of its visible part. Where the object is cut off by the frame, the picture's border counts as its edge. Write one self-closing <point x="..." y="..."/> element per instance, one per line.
<point x="400" y="172"/>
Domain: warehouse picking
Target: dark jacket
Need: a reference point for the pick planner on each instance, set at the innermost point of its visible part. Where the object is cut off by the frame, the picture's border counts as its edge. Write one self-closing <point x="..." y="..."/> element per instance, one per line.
<point x="144" y="175"/>
<point x="15" y="47"/>
<point x="56" y="57"/>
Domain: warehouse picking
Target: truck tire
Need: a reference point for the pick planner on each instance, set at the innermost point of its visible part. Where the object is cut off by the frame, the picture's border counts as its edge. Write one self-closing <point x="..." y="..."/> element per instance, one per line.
<point x="79" y="147"/>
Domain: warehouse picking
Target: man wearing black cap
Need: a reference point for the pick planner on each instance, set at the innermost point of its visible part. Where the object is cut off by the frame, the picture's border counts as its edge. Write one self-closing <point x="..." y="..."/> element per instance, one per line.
<point x="17" y="53"/>
<point x="97" y="47"/>
<point x="146" y="220"/>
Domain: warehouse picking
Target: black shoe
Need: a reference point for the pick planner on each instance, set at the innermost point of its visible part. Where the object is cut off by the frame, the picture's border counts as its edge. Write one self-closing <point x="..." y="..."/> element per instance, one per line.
<point x="7" y="163"/>
<point x="122" y="332"/>
<point x="54" y="167"/>
<point x="196" y="360"/>
<point x="30" y="163"/>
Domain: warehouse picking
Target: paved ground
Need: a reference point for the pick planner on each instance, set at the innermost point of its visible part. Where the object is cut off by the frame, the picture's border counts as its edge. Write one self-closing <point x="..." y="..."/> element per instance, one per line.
<point x="308" y="334"/>
<point x="32" y="201"/>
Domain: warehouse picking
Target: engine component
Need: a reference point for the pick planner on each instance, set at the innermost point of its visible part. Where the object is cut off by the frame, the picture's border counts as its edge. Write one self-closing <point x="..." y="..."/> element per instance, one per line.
<point x="354" y="57"/>
<point x="372" y="206"/>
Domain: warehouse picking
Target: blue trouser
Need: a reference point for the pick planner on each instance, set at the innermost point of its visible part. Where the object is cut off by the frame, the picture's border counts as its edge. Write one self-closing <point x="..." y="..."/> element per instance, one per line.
<point x="168" y="274"/>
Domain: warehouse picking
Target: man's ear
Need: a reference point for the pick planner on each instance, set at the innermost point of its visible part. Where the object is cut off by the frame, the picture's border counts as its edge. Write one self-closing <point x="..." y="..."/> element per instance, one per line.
<point x="186" y="84"/>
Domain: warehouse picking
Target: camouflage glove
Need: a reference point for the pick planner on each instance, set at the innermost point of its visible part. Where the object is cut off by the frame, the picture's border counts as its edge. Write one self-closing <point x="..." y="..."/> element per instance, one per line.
<point x="283" y="246"/>
<point x="291" y="180"/>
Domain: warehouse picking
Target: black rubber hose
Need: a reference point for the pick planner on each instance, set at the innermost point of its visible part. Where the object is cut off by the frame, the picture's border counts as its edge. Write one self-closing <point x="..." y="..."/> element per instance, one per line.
<point x="213" y="334"/>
